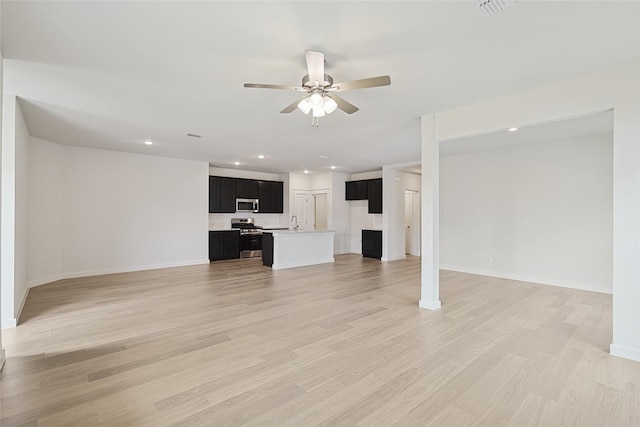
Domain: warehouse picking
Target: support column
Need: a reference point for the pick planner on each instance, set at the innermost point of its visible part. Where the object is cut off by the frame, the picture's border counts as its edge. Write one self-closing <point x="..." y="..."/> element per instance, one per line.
<point x="430" y="274"/>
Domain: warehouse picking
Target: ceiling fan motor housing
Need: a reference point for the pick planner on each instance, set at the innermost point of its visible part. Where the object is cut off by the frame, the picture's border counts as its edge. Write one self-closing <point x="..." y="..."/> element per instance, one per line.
<point x="328" y="81"/>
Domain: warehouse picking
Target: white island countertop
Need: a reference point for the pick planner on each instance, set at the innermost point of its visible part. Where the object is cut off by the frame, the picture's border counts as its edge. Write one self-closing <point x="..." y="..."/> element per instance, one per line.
<point x="291" y="248"/>
<point x="294" y="232"/>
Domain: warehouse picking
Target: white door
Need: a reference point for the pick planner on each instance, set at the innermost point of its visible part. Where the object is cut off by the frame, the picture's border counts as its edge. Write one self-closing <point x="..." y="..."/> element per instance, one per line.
<point x="320" y="211"/>
<point x="408" y="220"/>
<point x="301" y="208"/>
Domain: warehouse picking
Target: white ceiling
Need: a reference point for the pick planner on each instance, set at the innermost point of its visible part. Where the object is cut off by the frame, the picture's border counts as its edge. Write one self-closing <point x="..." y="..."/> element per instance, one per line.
<point x="562" y="130"/>
<point x="111" y="74"/>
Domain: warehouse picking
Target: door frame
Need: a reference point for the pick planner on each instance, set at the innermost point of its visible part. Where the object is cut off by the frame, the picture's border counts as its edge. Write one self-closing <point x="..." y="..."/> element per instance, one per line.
<point x="312" y="207"/>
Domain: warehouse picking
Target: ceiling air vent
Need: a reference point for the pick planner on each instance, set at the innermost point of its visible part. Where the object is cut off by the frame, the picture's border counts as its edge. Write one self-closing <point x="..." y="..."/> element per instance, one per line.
<point x="193" y="135"/>
<point x="489" y="7"/>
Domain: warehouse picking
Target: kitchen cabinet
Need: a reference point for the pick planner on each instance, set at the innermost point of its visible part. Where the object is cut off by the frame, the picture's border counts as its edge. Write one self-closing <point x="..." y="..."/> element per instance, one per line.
<point x="246" y="188"/>
<point x="375" y="196"/>
<point x="222" y="194"/>
<point x="267" y="249"/>
<point x="357" y="190"/>
<point x="372" y="243"/>
<point x="270" y="196"/>
<point x="366" y="189"/>
<point x="224" y="244"/>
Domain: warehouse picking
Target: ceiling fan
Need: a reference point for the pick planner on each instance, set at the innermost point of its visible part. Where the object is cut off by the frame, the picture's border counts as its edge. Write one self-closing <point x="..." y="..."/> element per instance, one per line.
<point x="320" y="91"/>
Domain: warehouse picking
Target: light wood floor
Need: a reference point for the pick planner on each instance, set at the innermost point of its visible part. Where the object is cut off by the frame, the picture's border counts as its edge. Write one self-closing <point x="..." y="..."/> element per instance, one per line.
<point x="234" y="343"/>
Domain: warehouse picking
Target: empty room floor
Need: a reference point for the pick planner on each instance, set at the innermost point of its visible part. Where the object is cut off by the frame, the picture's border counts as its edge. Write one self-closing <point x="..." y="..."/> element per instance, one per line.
<point x="235" y="343"/>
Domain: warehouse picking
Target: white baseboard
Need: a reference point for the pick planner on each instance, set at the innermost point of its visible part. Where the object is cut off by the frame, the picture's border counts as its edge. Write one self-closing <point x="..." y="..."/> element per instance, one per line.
<point x="430" y="305"/>
<point x="394" y="258"/>
<point x="317" y="261"/>
<point x="79" y="274"/>
<point x="45" y="280"/>
<point x="9" y="322"/>
<point x="530" y="279"/>
<point x="625" y="352"/>
<point x="24" y="300"/>
<point x="76" y="275"/>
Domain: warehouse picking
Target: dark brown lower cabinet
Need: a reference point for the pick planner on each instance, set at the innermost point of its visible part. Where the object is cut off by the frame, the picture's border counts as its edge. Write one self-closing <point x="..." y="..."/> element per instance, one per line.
<point x="372" y="243"/>
<point x="224" y="244"/>
<point x="267" y="249"/>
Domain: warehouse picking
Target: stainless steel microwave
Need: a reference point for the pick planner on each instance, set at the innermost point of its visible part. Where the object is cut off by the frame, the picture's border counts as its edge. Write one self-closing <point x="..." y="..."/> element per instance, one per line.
<point x="247" y="205"/>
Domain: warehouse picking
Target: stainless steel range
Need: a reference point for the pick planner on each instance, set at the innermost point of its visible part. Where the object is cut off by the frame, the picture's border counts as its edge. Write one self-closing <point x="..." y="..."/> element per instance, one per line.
<point x="250" y="237"/>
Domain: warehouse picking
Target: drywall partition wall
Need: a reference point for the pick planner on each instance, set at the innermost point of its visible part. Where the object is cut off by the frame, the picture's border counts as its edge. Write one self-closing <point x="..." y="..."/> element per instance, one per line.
<point x="320" y="181"/>
<point x="239" y="173"/>
<point x="2" y="354"/>
<point x="393" y="217"/>
<point x="340" y="215"/>
<point x="411" y="182"/>
<point x="46" y="163"/>
<point x="394" y="185"/>
<point x="617" y="89"/>
<point x="13" y="222"/>
<point x="124" y="212"/>
<point x="540" y="213"/>
<point x="366" y="175"/>
<point x="100" y="212"/>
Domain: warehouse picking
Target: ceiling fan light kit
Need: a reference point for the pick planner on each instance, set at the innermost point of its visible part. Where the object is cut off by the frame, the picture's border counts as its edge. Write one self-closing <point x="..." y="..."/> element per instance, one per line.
<point x="318" y="85"/>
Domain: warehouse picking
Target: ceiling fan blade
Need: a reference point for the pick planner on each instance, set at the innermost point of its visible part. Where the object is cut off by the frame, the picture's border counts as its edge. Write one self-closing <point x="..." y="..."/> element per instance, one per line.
<point x="345" y="106"/>
<point x="291" y="107"/>
<point x="261" y="86"/>
<point x="363" y="83"/>
<point x="315" y="65"/>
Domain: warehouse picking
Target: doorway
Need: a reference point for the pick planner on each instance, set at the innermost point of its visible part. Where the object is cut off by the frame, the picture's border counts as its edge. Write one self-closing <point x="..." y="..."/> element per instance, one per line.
<point x="408" y="219"/>
<point x="411" y="222"/>
<point x="320" y="211"/>
<point x="301" y="208"/>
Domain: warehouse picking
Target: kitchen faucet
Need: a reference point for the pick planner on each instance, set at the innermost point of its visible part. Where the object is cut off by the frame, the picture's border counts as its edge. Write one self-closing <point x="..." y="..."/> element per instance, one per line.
<point x="294" y="219"/>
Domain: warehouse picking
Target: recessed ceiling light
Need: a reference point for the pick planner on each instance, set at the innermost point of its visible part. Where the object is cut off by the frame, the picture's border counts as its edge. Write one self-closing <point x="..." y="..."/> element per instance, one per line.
<point x="333" y="167"/>
<point x="147" y="142"/>
<point x="306" y="171"/>
<point x="320" y="156"/>
<point x="513" y="129"/>
<point x="236" y="163"/>
<point x="261" y="156"/>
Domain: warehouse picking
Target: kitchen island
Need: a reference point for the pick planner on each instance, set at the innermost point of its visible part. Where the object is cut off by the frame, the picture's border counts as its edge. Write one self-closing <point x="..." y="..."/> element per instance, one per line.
<point x="290" y="248"/>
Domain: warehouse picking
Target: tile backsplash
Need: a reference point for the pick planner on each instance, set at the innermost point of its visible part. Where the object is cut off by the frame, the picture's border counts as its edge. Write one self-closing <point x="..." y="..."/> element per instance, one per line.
<point x="223" y="221"/>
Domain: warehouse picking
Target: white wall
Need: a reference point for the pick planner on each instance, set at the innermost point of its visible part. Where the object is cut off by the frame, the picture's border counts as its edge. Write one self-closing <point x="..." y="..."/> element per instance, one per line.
<point x="13" y="223"/>
<point x="394" y="184"/>
<point x="2" y="353"/>
<point x="239" y="173"/>
<point x="340" y="218"/>
<point x="413" y="182"/>
<point x="617" y="88"/>
<point x="46" y="163"/>
<point x="541" y="213"/>
<point x="366" y="175"/>
<point x="118" y="211"/>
